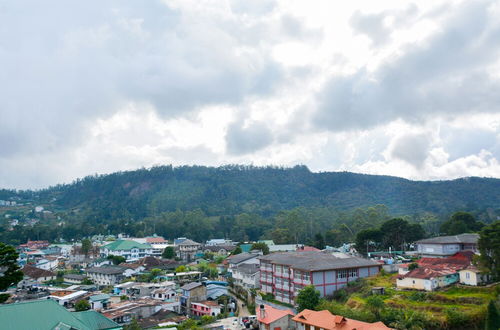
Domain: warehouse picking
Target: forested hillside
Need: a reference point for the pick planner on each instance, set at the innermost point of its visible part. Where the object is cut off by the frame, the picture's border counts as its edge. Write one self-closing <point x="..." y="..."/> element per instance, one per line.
<point x="240" y="202"/>
<point x="265" y="190"/>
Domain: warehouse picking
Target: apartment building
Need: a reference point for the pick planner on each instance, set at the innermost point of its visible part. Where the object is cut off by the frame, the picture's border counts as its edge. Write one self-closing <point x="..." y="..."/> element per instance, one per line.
<point x="285" y="274"/>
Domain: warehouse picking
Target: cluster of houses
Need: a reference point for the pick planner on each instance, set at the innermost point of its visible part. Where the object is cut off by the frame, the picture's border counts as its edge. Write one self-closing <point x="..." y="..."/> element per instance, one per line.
<point x="445" y="260"/>
<point x="113" y="292"/>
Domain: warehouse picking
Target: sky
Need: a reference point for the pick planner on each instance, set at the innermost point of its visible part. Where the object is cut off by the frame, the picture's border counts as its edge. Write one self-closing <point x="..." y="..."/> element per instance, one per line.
<point x="409" y="89"/>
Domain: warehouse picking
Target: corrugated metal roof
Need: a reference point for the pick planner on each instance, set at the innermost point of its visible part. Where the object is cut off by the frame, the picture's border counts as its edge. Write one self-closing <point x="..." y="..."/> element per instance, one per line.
<point x="39" y="314"/>
<point x="96" y="320"/>
<point x="456" y="239"/>
<point x="316" y="261"/>
<point x="126" y="245"/>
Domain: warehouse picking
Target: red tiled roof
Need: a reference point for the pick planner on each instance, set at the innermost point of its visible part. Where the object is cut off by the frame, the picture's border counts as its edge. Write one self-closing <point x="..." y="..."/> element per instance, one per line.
<point x="426" y="273"/>
<point x="155" y="240"/>
<point x="326" y="320"/>
<point x="271" y="314"/>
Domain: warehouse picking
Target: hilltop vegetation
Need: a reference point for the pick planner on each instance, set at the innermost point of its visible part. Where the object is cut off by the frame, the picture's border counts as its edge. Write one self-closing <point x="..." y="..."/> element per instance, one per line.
<point x="244" y="202"/>
<point x="265" y="190"/>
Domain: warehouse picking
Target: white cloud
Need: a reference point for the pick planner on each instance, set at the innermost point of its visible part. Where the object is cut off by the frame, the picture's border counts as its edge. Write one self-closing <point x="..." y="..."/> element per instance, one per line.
<point x="390" y="87"/>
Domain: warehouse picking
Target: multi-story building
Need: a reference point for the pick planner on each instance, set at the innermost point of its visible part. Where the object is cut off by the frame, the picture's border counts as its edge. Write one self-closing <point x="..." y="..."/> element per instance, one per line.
<point x="207" y="307"/>
<point x="108" y="275"/>
<point x="285" y="274"/>
<point x="445" y="246"/>
<point x="187" y="250"/>
<point x="130" y="250"/>
<point x="191" y="292"/>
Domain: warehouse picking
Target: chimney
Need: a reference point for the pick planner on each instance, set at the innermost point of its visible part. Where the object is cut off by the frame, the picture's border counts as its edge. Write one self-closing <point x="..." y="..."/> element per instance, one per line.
<point x="262" y="312"/>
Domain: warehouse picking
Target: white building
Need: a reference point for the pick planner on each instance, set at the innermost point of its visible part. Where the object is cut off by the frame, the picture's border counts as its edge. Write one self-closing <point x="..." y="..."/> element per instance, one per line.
<point x="473" y="276"/>
<point x="247" y="275"/>
<point x="110" y="275"/>
<point x="128" y="249"/>
<point x="445" y="246"/>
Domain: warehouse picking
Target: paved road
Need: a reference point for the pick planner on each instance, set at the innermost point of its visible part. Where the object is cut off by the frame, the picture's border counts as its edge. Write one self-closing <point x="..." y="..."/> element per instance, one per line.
<point x="242" y="310"/>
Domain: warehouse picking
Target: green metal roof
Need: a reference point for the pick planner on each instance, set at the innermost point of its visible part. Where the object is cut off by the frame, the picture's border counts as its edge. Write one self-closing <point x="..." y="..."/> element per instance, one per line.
<point x="245" y="247"/>
<point x="97" y="297"/>
<point x="49" y="315"/>
<point x="96" y="320"/>
<point x="38" y="314"/>
<point x="126" y="245"/>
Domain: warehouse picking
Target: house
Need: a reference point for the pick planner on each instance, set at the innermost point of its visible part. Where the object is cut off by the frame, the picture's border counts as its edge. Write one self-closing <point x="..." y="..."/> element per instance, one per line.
<point x="139" y="290"/>
<point x="74" y="278"/>
<point x="428" y="279"/>
<point x="247" y="275"/>
<point x="433" y="273"/>
<point x="67" y="298"/>
<point x="130" y="250"/>
<point x="271" y="318"/>
<point x="191" y="292"/>
<point x="187" y="250"/>
<point x="444" y="246"/>
<point x="215" y="290"/>
<point x="131" y="269"/>
<point x="243" y="258"/>
<point x="49" y="315"/>
<point x="158" y="244"/>
<point x="123" y="289"/>
<point x="471" y="275"/>
<point x="77" y="255"/>
<point x="107" y="275"/>
<point x="153" y="262"/>
<point x="308" y="320"/>
<point x="48" y="263"/>
<point x="164" y="294"/>
<point x="124" y="312"/>
<point x="207" y="307"/>
<point x="221" y="250"/>
<point x="99" y="301"/>
<point x="34" y="245"/>
<point x="219" y="241"/>
<point x="33" y="275"/>
<point x="284" y="274"/>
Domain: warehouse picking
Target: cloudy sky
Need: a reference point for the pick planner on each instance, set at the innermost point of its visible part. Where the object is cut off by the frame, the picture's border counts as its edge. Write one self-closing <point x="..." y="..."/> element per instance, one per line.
<point x="403" y="88"/>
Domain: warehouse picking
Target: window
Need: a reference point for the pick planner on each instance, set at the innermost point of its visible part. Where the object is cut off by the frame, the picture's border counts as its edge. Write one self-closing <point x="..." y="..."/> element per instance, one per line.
<point x="353" y="272"/>
<point x="342" y="273"/>
<point x="467" y="275"/>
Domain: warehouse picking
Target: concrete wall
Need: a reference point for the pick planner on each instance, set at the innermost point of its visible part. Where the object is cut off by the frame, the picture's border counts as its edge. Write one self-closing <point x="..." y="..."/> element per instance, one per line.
<point x="411" y="283"/>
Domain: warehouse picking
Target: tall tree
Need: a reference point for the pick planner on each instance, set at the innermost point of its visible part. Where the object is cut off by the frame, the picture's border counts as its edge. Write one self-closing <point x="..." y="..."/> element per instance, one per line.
<point x="261" y="246"/>
<point x="308" y="298"/>
<point x="489" y="246"/>
<point x="398" y="231"/>
<point x="86" y="246"/>
<point x="168" y="253"/>
<point x="10" y="274"/>
<point x="368" y="238"/>
<point x="459" y="223"/>
<point x="319" y="241"/>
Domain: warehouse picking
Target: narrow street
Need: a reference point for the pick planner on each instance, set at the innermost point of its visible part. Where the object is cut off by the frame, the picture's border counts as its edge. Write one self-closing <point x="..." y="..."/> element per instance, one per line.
<point x="242" y="310"/>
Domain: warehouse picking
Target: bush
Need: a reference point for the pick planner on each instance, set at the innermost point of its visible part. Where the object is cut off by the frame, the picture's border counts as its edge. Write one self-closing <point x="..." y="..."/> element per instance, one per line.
<point x="4" y="297"/>
<point x="418" y="296"/>
<point x="340" y="295"/>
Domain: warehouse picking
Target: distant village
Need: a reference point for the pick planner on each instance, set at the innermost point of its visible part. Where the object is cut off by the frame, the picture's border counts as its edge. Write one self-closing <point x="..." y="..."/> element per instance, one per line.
<point x="111" y="282"/>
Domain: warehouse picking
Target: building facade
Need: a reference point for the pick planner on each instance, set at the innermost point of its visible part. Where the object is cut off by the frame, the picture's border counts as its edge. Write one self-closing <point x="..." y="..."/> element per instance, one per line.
<point x="110" y="275"/>
<point x="285" y="274"/>
<point x="130" y="250"/>
<point x="445" y="246"/>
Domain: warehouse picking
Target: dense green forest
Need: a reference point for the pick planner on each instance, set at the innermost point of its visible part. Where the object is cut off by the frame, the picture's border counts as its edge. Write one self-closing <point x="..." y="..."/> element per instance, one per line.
<point x="244" y="203"/>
